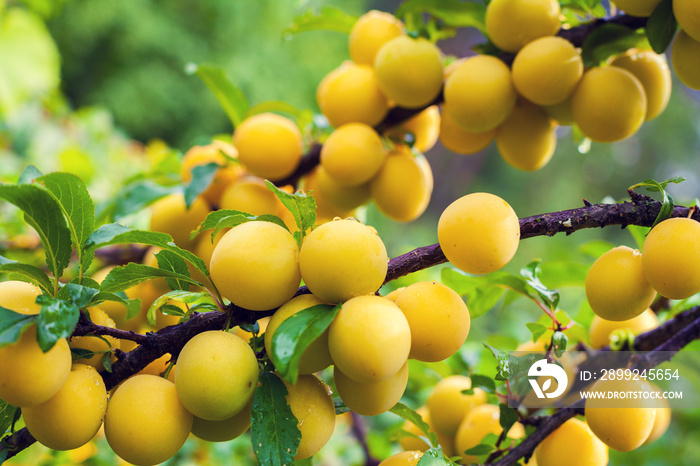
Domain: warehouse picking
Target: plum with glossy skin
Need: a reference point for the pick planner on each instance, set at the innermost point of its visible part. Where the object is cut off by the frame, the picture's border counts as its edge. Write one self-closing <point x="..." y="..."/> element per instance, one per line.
<point x="448" y="406"/>
<point x="653" y="72"/>
<point x="370" y="32"/>
<point x="370" y="399"/>
<point x="223" y="431"/>
<point x="572" y="436"/>
<point x="510" y="24"/>
<point x="170" y="215"/>
<point x="353" y="154"/>
<point x="526" y="140"/>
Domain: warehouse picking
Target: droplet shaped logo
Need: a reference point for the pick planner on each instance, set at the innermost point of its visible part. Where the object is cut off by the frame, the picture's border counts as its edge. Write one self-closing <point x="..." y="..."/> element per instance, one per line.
<point x="542" y="368"/>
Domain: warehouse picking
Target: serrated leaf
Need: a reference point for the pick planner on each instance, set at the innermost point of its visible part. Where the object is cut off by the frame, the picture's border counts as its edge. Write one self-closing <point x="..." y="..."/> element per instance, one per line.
<point x="27" y="273"/>
<point x="531" y="273"/>
<point x="608" y="40"/>
<point x="511" y="367"/>
<point x="131" y="274"/>
<point x="73" y="197"/>
<point x="328" y="19"/>
<point x="295" y="334"/>
<point x="412" y="416"/>
<point x="537" y="330"/>
<point x="136" y="196"/>
<point x="171" y="310"/>
<point x="168" y="260"/>
<point x="661" y="26"/>
<point x="559" y="341"/>
<point x="7" y="416"/>
<point x="508" y="417"/>
<point x="230" y="97"/>
<point x="187" y="297"/>
<point x="81" y="353"/>
<point x="433" y="457"/>
<point x="301" y="205"/>
<point x="453" y="13"/>
<point x="479" y="450"/>
<point x="57" y="319"/>
<point x="12" y="324"/>
<point x="29" y="174"/>
<point x="114" y="233"/>
<point x="202" y="176"/>
<point x="220" y="219"/>
<point x="79" y="295"/>
<point x="275" y="434"/>
<point x="42" y="212"/>
<point x="133" y="306"/>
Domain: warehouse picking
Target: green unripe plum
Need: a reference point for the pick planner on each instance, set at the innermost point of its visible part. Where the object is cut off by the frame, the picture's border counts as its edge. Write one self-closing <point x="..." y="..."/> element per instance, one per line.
<point x="461" y="141"/>
<point x="353" y="154"/>
<point x="351" y="93"/>
<point x="479" y="233"/>
<point x="342" y="259"/>
<point x="622" y="424"/>
<point x="72" y="417"/>
<point x="481" y="421"/>
<point x="170" y="215"/>
<point x="653" y="72"/>
<point x="510" y="24"/>
<point x="609" y="104"/>
<point x="269" y="145"/>
<point x="30" y="376"/>
<point x="448" y="406"/>
<point x="256" y="265"/>
<point x="369" y="339"/>
<point x="404" y="458"/>
<point x="316" y="356"/>
<point x="409" y="71"/>
<point x="572" y="436"/>
<point x="216" y="375"/>
<point x="601" y="329"/>
<point x="641" y="8"/>
<point x="479" y="94"/>
<point x="312" y="405"/>
<point x="95" y="344"/>
<point x="223" y="431"/>
<point x="403" y="186"/>
<point x="146" y="423"/>
<point x="370" y="399"/>
<point x="671" y="258"/>
<point x="616" y="287"/>
<point x="370" y="32"/>
<point x="687" y="13"/>
<point x="684" y="58"/>
<point x="438" y="317"/>
<point x="547" y="70"/>
<point x="526" y="140"/>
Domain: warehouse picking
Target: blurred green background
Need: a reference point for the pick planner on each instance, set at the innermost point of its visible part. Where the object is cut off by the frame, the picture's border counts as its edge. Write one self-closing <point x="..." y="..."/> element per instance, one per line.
<point x="98" y="88"/>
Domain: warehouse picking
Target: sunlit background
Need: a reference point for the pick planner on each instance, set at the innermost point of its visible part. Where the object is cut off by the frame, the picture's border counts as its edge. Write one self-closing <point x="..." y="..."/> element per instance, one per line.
<point x="99" y="88"/>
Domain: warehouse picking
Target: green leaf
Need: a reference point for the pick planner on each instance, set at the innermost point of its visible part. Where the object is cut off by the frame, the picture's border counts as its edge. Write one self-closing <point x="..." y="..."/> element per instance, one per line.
<point x="168" y="260"/>
<point x="608" y="40"/>
<point x="138" y="195"/>
<point x="113" y="233"/>
<point x="274" y="430"/>
<point x="79" y="295"/>
<point x="453" y="13"/>
<point x="412" y="416"/>
<point x="131" y="274"/>
<point x="512" y="367"/>
<point x="340" y="407"/>
<point x="57" y="319"/>
<point x="328" y="19"/>
<point x="480" y="295"/>
<point x="107" y="361"/>
<point x="433" y="457"/>
<point x="7" y="416"/>
<point x="27" y="273"/>
<point x="537" y="330"/>
<point x="202" y="176"/>
<point x="77" y="206"/>
<point x="559" y="341"/>
<point x="508" y="417"/>
<point x="667" y="202"/>
<point x="479" y="450"/>
<point x="301" y="205"/>
<point x="133" y="306"/>
<point x="77" y="354"/>
<point x="42" y="212"/>
<point x="187" y="297"/>
<point x="220" y="219"/>
<point x="661" y="26"/>
<point x="230" y="97"/>
<point x="531" y="273"/>
<point x="295" y="334"/>
<point x="483" y="382"/>
<point x="12" y="324"/>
